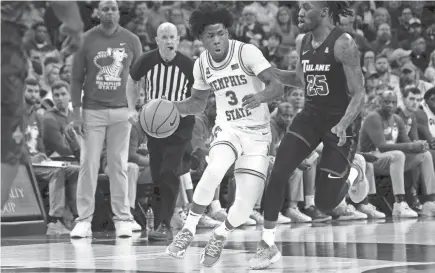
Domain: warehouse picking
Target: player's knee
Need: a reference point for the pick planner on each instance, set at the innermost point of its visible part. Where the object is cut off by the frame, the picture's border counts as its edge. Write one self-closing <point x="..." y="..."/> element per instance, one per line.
<point x="397" y="156"/>
<point x="330" y="191"/>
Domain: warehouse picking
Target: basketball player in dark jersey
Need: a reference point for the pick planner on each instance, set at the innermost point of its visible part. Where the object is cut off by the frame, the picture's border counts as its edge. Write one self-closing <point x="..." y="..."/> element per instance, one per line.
<point x="14" y="73"/>
<point x="330" y="71"/>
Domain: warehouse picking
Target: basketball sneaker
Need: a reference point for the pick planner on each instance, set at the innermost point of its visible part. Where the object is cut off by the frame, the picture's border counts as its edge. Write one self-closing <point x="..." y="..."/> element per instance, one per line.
<point x="282" y="219"/>
<point x="123" y="228"/>
<point x="371" y="211"/>
<point x="428" y="209"/>
<point x="179" y="245"/>
<point x="316" y="215"/>
<point x="207" y="222"/>
<point x="218" y="215"/>
<point x="135" y="227"/>
<point x="265" y="256"/>
<point x="212" y="251"/>
<point x="359" y="186"/>
<point x="296" y="216"/>
<point x="81" y="230"/>
<point x="56" y="228"/>
<point x="402" y="210"/>
<point x="346" y="212"/>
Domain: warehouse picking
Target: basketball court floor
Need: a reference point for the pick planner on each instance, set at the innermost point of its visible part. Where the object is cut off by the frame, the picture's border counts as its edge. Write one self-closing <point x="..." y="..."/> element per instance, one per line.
<point x="340" y="247"/>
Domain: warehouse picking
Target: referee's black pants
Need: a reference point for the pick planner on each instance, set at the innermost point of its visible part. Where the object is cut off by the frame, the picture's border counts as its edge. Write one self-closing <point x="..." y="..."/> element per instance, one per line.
<point x="169" y="158"/>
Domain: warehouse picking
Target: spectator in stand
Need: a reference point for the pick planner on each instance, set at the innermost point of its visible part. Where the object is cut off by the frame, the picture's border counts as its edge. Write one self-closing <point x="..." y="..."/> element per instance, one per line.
<point x="249" y="30"/>
<point x="383" y="133"/>
<point x="141" y="25"/>
<point x="266" y="14"/>
<point x="384" y="39"/>
<point x="410" y="76"/>
<point x="65" y="73"/>
<point x="368" y="66"/>
<point x="292" y="60"/>
<point x="176" y="17"/>
<point x="348" y="24"/>
<point x="39" y="46"/>
<point x="429" y="73"/>
<point x="399" y="58"/>
<point x="271" y="51"/>
<point x="101" y="68"/>
<point x="419" y="55"/>
<point x="59" y="135"/>
<point x="415" y="30"/>
<point x="56" y="177"/>
<point x="380" y="16"/>
<point x="405" y="19"/>
<point x="386" y="79"/>
<point x="284" y="26"/>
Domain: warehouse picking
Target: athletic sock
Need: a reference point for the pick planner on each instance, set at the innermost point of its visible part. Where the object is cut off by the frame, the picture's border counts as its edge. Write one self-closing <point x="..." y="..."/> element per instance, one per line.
<point x="268" y="236"/>
<point x="192" y="221"/>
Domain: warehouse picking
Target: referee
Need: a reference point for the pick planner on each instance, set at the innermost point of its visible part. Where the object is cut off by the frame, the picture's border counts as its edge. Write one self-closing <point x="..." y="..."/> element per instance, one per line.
<point x="168" y="75"/>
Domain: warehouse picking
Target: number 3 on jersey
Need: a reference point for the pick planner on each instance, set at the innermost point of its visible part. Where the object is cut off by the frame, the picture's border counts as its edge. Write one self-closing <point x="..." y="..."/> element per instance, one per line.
<point x="232" y="98"/>
<point x="317" y="85"/>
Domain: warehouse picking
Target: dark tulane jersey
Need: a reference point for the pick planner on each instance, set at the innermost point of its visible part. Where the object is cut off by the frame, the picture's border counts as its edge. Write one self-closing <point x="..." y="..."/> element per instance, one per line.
<point x="326" y="90"/>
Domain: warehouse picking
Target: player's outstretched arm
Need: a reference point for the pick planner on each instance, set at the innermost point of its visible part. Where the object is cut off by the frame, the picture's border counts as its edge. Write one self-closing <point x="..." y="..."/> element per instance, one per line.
<point x="291" y="78"/>
<point x="195" y="104"/>
<point x="346" y="52"/>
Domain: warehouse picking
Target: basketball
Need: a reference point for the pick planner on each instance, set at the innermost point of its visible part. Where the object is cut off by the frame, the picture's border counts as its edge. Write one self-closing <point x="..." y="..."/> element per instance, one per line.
<point x="159" y="118"/>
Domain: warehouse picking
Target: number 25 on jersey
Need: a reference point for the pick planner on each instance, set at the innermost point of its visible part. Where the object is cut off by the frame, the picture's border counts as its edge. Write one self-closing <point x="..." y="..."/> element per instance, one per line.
<point x="317" y="85"/>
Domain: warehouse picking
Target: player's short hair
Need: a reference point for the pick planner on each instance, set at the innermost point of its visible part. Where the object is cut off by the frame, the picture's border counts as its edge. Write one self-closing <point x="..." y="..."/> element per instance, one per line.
<point x="338" y="8"/>
<point x="209" y="13"/>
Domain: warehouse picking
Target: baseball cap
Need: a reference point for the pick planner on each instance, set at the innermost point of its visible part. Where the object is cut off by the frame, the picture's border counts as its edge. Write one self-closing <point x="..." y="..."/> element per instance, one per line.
<point x="399" y="53"/>
<point x="414" y="21"/>
<point x="408" y="66"/>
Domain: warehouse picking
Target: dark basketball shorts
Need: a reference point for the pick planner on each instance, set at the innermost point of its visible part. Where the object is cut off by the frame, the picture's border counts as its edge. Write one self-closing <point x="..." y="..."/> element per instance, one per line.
<point x="313" y="128"/>
<point x="14" y="72"/>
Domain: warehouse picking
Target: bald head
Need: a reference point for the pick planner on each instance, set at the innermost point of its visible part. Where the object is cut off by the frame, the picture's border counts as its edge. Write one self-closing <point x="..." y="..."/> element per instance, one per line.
<point x="167" y="28"/>
<point x="388" y="95"/>
<point x="167" y="40"/>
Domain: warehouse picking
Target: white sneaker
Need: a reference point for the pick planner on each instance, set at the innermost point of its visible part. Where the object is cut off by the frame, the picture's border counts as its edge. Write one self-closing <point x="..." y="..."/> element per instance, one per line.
<point x="81" y="230"/>
<point x="135" y="227"/>
<point x="282" y="219"/>
<point x="348" y="212"/>
<point x="123" y="229"/>
<point x="257" y="217"/>
<point x="371" y="211"/>
<point x="250" y="222"/>
<point x="296" y="216"/>
<point x="428" y="209"/>
<point x="207" y="222"/>
<point x="360" y="186"/>
<point x="402" y="210"/>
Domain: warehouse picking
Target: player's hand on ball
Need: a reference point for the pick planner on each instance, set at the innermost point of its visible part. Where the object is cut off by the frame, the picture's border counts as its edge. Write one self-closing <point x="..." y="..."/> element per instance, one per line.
<point x="133" y="116"/>
<point x="340" y="131"/>
<point x="251" y="101"/>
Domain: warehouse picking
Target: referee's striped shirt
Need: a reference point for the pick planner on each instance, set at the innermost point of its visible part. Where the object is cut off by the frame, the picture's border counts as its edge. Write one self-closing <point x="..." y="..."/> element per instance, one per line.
<point x="172" y="80"/>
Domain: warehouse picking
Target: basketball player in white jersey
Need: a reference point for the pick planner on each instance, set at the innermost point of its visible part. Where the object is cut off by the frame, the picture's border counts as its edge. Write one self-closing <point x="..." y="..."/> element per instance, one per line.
<point x="238" y="74"/>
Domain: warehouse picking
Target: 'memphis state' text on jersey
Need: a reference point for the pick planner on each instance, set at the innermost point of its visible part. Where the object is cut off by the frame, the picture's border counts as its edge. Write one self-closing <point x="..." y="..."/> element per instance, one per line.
<point x="326" y="88"/>
<point x="231" y="80"/>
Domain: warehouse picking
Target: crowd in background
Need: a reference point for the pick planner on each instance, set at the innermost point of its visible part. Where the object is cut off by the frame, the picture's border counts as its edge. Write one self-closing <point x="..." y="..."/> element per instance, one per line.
<point x="396" y="42"/>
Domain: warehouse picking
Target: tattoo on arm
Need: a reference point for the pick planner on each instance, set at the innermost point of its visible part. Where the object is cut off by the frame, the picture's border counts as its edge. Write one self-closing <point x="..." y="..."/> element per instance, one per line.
<point x="346" y="52"/>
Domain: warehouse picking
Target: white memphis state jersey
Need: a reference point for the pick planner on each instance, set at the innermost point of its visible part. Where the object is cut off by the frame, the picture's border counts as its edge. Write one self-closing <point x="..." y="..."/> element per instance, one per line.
<point x="231" y="80"/>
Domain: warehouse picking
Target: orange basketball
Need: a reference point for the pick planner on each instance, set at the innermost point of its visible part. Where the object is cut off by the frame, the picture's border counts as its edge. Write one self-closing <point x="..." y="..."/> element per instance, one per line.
<point x="159" y="118"/>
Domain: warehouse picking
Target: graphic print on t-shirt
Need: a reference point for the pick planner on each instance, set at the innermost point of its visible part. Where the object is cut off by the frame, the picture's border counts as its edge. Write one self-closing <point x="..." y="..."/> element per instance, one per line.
<point x="110" y="67"/>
